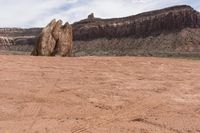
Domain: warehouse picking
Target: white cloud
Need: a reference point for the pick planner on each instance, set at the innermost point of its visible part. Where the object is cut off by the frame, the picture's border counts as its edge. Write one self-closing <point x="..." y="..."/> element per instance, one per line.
<point x="33" y="13"/>
<point x="20" y="12"/>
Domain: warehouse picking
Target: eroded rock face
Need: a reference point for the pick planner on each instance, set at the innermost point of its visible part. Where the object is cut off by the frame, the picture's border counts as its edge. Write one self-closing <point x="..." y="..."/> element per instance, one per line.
<point x="54" y="39"/>
<point x="141" y="25"/>
<point x="6" y="42"/>
<point x="18" y="39"/>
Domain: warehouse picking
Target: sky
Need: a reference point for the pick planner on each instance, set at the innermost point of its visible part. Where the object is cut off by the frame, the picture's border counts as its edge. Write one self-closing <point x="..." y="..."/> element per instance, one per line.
<point x="38" y="13"/>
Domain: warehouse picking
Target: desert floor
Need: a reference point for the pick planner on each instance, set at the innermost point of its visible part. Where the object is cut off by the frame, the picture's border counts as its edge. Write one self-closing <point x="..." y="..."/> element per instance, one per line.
<point x="99" y="95"/>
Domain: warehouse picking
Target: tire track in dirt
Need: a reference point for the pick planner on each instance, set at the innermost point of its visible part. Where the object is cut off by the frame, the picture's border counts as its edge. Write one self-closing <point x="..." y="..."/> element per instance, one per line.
<point x="143" y="121"/>
<point x="126" y="111"/>
<point x="101" y="97"/>
<point x="78" y="129"/>
<point x="38" y="108"/>
<point x="115" y="112"/>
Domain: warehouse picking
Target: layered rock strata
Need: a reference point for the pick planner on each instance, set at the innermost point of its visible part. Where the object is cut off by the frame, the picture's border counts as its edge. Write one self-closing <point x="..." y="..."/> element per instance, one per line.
<point x="141" y="25"/>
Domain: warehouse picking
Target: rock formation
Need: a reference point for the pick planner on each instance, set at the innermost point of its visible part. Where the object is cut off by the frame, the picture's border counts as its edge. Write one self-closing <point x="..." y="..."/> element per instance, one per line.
<point x="141" y="25"/>
<point x="17" y="39"/>
<point x="54" y="39"/>
<point x="19" y="32"/>
<point x="6" y="42"/>
<point x="91" y="16"/>
<point x="170" y="31"/>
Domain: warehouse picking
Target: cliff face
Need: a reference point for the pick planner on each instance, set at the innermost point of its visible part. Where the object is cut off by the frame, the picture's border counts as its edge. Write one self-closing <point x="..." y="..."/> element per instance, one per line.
<point x="17" y="32"/>
<point x="141" y="25"/>
<point x="185" y="43"/>
<point x="170" y="31"/>
<point x="18" y="39"/>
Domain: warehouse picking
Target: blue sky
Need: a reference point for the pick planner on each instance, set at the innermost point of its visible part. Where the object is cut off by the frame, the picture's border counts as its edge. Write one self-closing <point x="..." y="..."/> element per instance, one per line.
<point x="37" y="13"/>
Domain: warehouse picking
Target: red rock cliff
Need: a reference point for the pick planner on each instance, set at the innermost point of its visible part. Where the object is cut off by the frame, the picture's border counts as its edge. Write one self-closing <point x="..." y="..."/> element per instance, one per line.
<point x="141" y="25"/>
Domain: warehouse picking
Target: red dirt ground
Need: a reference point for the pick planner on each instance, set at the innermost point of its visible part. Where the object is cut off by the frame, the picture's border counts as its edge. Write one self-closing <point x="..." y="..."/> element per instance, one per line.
<point x="99" y="95"/>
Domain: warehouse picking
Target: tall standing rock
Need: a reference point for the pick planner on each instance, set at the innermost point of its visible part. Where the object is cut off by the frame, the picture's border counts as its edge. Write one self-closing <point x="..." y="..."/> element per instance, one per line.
<point x="54" y="39"/>
<point x="91" y="16"/>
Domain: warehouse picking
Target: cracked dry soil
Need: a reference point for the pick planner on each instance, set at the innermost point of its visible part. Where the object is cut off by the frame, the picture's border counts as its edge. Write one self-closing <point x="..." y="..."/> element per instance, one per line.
<point x="99" y="95"/>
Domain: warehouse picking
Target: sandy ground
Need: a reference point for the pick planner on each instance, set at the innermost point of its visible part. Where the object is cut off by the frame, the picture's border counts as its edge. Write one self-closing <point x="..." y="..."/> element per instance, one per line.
<point x="99" y="95"/>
